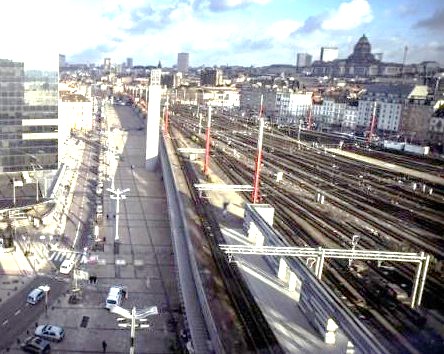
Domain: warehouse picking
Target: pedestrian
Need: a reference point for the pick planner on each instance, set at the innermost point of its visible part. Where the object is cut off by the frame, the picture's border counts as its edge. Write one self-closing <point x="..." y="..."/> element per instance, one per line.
<point x="104" y="345"/>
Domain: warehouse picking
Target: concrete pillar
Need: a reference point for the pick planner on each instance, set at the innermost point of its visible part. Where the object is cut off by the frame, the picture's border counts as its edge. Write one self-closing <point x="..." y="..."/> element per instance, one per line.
<point x="259" y="239"/>
<point x="330" y="334"/>
<point x="252" y="232"/>
<point x="283" y="270"/>
<point x="294" y="285"/>
<point x="350" y="348"/>
<point x="153" y="121"/>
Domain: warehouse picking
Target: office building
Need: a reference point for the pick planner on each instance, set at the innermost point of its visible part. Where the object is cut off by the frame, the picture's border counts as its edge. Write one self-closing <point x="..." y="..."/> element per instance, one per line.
<point x="329" y="54"/>
<point x="107" y="64"/>
<point x="129" y="63"/>
<point x="183" y="62"/>
<point x="303" y="60"/>
<point x="211" y="77"/>
<point x="28" y="117"/>
<point x="62" y="60"/>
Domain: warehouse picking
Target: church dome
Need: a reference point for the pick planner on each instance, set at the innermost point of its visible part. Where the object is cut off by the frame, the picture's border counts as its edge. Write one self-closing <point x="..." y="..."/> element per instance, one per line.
<point x="362" y="51"/>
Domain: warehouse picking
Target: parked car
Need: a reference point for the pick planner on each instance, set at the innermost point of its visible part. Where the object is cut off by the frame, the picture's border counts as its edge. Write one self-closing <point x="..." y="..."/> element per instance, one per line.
<point x="36" y="345"/>
<point x="50" y="332"/>
<point x="115" y="296"/>
<point x="66" y="266"/>
<point x="36" y="295"/>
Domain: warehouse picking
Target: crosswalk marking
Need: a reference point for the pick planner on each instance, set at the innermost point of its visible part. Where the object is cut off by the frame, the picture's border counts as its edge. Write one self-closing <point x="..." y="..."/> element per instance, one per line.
<point x="60" y="255"/>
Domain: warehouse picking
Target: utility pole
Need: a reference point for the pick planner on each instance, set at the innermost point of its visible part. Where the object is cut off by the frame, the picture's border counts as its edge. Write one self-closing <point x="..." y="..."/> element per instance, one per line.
<point x="255" y="196"/>
<point x="207" y="144"/>
<point x="165" y="125"/>
<point x="372" y="124"/>
<point x="310" y="122"/>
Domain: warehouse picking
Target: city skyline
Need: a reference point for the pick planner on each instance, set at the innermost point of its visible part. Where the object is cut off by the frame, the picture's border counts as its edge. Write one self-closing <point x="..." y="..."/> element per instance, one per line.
<point x="220" y="32"/>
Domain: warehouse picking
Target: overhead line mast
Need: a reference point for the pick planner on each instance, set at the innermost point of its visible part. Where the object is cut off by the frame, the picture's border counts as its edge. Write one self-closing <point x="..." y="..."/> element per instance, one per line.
<point x="255" y="196"/>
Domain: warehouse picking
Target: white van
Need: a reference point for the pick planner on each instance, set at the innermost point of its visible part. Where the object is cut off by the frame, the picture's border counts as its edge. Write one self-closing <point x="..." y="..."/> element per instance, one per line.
<point x="66" y="266"/>
<point x="35" y="296"/>
<point x="115" y="296"/>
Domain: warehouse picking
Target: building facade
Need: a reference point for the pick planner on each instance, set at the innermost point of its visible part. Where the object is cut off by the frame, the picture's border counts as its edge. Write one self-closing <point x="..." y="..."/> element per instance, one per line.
<point x="211" y="77"/>
<point x="129" y="63"/>
<point x="183" y="61"/>
<point x="62" y="60"/>
<point x="303" y="60"/>
<point x="361" y="63"/>
<point x="28" y="117"/>
<point x="388" y="102"/>
<point x="329" y="54"/>
<point x="107" y="64"/>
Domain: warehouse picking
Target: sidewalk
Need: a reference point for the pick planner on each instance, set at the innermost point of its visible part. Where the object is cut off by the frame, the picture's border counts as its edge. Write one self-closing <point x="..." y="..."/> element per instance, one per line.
<point x="15" y="273"/>
<point x="16" y="269"/>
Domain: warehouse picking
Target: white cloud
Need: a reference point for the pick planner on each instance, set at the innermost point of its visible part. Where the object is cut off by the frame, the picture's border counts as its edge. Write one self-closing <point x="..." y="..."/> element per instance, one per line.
<point x="236" y="3"/>
<point x="349" y="15"/>
<point x="281" y="30"/>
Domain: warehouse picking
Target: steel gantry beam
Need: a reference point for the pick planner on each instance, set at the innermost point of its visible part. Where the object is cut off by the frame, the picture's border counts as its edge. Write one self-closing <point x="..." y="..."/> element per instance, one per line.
<point x="321" y="253"/>
<point x="222" y="187"/>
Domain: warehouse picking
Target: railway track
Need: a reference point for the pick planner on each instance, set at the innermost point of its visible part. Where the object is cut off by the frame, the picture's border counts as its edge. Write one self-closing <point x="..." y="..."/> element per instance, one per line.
<point x="257" y="333"/>
<point x="296" y="212"/>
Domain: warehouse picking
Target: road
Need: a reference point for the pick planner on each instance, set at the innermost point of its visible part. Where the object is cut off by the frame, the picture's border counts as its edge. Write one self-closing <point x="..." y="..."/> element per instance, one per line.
<point x="81" y="214"/>
<point x="16" y="316"/>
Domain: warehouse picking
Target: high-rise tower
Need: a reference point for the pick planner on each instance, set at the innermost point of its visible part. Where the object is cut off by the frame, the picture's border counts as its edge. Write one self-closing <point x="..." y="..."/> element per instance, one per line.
<point x="183" y="62"/>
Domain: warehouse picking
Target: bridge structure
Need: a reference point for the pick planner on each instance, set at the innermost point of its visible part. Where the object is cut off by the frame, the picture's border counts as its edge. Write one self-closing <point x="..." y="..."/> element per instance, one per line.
<point x="326" y="312"/>
<point x="320" y="254"/>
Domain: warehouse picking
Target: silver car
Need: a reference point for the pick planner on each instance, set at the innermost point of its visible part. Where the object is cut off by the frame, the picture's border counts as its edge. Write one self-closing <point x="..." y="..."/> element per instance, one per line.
<point x="50" y="332"/>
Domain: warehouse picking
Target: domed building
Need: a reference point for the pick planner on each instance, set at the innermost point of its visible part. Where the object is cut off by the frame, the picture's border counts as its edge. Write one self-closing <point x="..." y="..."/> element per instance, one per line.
<point x="362" y="52"/>
<point x="361" y="63"/>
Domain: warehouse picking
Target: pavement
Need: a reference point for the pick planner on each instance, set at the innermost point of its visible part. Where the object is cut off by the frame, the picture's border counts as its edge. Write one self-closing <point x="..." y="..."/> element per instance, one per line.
<point x="142" y="260"/>
<point x="16" y="269"/>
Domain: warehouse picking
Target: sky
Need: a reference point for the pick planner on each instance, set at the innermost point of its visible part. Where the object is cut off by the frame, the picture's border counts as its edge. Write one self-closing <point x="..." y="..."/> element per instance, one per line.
<point x="218" y="32"/>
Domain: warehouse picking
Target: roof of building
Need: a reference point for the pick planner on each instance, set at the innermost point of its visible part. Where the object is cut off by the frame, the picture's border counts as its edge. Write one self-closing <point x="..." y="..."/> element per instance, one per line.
<point x="419" y="92"/>
<point x="401" y="90"/>
<point x="72" y="97"/>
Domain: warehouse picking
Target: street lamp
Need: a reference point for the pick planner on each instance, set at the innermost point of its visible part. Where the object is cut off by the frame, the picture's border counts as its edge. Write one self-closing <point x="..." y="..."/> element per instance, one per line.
<point x="134" y="317"/>
<point x="46" y="289"/>
<point x="118" y="195"/>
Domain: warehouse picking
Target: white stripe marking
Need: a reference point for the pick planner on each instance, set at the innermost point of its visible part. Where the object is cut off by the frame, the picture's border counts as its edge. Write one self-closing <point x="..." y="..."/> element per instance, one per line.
<point x="17" y="312"/>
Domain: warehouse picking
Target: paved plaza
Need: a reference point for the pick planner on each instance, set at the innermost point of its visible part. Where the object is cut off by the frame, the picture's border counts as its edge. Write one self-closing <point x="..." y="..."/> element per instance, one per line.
<point x="142" y="260"/>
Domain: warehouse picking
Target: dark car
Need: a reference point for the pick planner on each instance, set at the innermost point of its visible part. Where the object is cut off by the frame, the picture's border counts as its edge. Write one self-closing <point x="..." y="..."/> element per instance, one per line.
<point x="36" y="345"/>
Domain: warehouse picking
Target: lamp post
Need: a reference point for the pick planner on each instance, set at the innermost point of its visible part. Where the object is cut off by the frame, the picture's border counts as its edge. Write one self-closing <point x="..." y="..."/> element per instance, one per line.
<point x="46" y="289"/>
<point x="118" y="195"/>
<point x="134" y="320"/>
